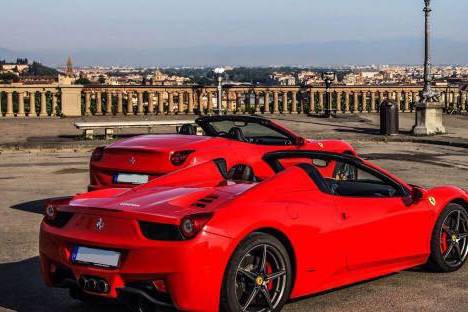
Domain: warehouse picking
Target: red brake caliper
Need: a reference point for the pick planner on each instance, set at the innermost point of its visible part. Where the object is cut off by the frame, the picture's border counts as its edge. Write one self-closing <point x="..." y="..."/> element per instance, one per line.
<point x="269" y="270"/>
<point x="443" y="242"/>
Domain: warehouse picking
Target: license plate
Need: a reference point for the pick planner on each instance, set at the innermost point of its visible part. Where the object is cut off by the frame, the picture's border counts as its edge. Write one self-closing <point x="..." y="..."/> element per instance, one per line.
<point x="97" y="257"/>
<point x="131" y="178"/>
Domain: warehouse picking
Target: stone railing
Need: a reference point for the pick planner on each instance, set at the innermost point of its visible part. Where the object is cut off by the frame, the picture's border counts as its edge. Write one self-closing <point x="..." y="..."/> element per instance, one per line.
<point x="53" y="100"/>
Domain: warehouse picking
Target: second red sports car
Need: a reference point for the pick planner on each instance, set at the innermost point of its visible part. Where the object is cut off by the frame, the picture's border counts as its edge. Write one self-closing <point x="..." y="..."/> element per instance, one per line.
<point x="207" y="238"/>
<point x="235" y="138"/>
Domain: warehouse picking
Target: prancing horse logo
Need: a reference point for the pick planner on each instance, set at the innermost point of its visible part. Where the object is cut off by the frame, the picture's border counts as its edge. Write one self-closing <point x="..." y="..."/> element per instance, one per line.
<point x="99" y="224"/>
<point x="132" y="160"/>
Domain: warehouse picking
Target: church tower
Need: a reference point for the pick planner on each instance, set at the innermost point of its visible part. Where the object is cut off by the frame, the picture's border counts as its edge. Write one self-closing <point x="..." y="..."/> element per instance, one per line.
<point x="70" y="72"/>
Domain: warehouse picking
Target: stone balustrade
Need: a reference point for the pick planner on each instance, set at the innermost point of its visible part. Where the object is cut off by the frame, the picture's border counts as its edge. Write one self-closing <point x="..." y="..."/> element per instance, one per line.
<point x="57" y="100"/>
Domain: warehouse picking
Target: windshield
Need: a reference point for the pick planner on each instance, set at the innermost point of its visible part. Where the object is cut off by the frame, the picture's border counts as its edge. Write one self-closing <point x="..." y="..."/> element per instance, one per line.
<point x="249" y="130"/>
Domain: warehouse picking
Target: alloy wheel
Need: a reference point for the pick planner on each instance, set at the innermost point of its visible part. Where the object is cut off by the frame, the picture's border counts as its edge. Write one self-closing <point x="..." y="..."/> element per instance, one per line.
<point x="453" y="238"/>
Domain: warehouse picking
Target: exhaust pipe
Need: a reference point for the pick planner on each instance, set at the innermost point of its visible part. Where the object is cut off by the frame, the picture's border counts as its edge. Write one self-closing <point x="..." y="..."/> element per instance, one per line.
<point x="96" y="285"/>
<point x="102" y="286"/>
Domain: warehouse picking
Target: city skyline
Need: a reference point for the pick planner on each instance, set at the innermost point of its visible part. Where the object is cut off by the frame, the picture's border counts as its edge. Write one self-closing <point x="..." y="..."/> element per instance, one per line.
<point x="242" y="33"/>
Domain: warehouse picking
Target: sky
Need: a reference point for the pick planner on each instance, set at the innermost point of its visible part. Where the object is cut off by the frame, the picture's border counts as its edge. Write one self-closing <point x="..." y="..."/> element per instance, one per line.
<point x="201" y="32"/>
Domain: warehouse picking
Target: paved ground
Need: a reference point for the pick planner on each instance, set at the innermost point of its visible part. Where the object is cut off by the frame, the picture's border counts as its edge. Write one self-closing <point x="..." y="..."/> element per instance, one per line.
<point x="28" y="177"/>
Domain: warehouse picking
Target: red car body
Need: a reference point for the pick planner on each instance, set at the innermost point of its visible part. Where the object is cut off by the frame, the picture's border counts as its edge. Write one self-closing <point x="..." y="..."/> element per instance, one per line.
<point x="332" y="240"/>
<point x="152" y="156"/>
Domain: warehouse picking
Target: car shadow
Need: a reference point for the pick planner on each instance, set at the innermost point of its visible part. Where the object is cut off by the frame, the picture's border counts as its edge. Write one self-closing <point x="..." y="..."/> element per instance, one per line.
<point x="22" y="289"/>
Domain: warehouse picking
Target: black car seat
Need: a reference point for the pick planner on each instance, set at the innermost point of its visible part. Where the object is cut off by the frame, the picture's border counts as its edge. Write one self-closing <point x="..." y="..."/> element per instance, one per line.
<point x="236" y="134"/>
<point x="241" y="173"/>
<point x="187" y="129"/>
<point x="315" y="175"/>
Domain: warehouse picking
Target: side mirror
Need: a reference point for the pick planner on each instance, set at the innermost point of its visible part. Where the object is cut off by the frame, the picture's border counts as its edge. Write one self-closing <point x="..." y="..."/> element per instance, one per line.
<point x="300" y="141"/>
<point x="416" y="194"/>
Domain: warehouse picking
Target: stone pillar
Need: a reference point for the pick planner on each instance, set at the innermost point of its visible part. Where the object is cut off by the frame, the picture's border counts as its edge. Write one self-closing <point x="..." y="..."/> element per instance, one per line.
<point x="98" y="103"/>
<point x="346" y="107"/>
<point x="312" y="101"/>
<point x="87" y="103"/>
<point x="21" y="112"/>
<point x="109" y="103"/>
<point x="320" y="103"/>
<point x="257" y="102"/>
<point x="190" y="103"/>
<point x="239" y="102"/>
<point x="71" y="100"/>
<point x="201" y="100"/>
<point x="407" y="101"/>
<point x="119" y="103"/>
<point x="210" y="102"/>
<point x="130" y="103"/>
<point x="43" y="112"/>
<point x="339" y="101"/>
<point x="275" y="103"/>
<point x="398" y="100"/>
<point x="171" y="103"/>
<point x="180" y="104"/>
<point x="294" y="102"/>
<point x="464" y="100"/>
<point x="373" y="102"/>
<point x="365" y="109"/>
<point x="32" y="104"/>
<point x="284" y="107"/>
<point x="230" y="99"/>
<point x="356" y="102"/>
<point x="150" y="103"/>
<point x="160" y="103"/>
<point x="140" y="110"/>
<point x="266" y="104"/>
<point x="9" y="108"/>
<point x="54" y="104"/>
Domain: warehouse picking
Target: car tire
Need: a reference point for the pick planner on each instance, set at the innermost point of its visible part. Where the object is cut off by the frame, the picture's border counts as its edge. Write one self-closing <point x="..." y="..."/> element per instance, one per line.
<point x="448" y="249"/>
<point x="258" y="276"/>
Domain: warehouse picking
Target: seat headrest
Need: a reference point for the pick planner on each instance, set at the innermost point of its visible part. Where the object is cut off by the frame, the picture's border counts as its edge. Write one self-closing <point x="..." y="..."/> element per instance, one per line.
<point x="187" y="129"/>
<point x="236" y="134"/>
<point x="241" y="173"/>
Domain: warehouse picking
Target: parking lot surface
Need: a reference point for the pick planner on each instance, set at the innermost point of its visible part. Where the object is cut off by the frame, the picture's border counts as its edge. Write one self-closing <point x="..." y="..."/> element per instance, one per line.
<point x="27" y="178"/>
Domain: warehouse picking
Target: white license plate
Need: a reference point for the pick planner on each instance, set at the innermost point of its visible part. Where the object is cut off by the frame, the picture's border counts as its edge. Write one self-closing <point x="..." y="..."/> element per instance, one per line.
<point x="98" y="257"/>
<point x="131" y="178"/>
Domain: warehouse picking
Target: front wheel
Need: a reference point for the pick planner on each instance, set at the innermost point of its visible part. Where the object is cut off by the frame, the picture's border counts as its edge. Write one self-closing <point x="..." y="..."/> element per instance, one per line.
<point x="258" y="276"/>
<point x="449" y="244"/>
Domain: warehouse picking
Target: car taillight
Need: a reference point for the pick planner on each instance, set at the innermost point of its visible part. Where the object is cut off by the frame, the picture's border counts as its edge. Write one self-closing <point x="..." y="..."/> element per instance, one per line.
<point x="98" y="153"/>
<point x="192" y="225"/>
<point x="178" y="158"/>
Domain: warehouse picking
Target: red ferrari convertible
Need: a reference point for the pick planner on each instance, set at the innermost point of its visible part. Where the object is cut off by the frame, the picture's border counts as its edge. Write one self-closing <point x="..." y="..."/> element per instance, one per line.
<point x="235" y="138"/>
<point x="206" y="238"/>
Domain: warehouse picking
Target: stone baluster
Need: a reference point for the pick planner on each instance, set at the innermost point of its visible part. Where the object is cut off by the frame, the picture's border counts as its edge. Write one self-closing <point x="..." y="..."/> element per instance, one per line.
<point x="346" y="102"/>
<point x="150" y="103"/>
<point x="210" y="101"/>
<point x="320" y="103"/>
<point x="373" y="107"/>
<point x="231" y="97"/>
<point x="312" y="101"/>
<point x="160" y="103"/>
<point x="53" y="111"/>
<point x="171" y="102"/>
<point x="415" y="98"/>
<point x="239" y="102"/>
<point x="201" y="101"/>
<point x="140" y="110"/>
<point x="266" y="100"/>
<point x="108" y="103"/>
<point x="130" y="103"/>
<point x="407" y="101"/>
<point x="398" y="100"/>
<point x="257" y="102"/>
<point x="87" y="103"/>
<point x="119" y="103"/>
<point x="275" y="102"/>
<point x="464" y="100"/>
<point x="180" y="104"/>
<point x="190" y="103"/>
<point x="456" y="98"/>
<point x="21" y="111"/>
<point x="339" y="102"/>
<point x="9" y="108"/>
<point x="355" y="102"/>
<point x="43" y="111"/>
<point x="365" y="109"/>
<point x="32" y="104"/>
<point x="284" y="107"/>
<point x="294" y="102"/>
<point x="98" y="103"/>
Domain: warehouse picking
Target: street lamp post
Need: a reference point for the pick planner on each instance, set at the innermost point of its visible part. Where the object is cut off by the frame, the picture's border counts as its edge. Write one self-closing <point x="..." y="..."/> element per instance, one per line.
<point x="219" y="72"/>
<point x="429" y="109"/>
<point x="328" y="78"/>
